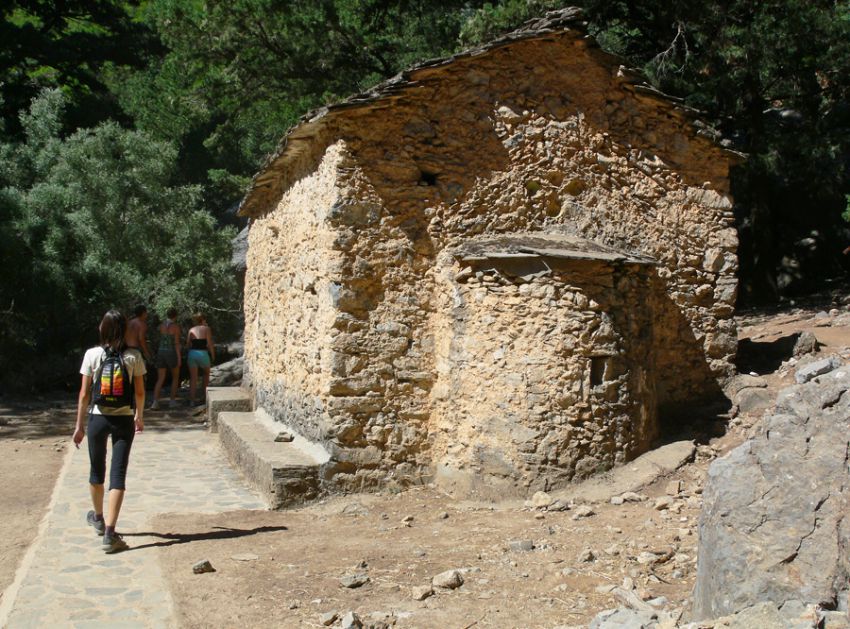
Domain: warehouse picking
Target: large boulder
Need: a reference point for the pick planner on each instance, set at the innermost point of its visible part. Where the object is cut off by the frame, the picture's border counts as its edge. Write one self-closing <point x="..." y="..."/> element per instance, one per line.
<point x="227" y="374"/>
<point x="774" y="525"/>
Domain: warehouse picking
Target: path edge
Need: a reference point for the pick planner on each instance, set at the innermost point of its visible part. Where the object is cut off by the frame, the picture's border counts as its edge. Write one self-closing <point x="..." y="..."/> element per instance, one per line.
<point x="10" y="595"/>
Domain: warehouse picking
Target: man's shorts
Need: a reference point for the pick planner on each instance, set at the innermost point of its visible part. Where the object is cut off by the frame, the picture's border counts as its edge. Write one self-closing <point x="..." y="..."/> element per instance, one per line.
<point x="166" y="359"/>
<point x="199" y="358"/>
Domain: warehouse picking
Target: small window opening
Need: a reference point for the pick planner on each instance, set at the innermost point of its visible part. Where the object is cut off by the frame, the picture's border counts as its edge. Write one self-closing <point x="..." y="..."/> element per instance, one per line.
<point x="597" y="370"/>
<point x="429" y="179"/>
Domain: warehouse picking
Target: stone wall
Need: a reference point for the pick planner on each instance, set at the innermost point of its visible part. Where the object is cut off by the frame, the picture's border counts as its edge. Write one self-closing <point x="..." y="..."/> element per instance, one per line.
<point x="541" y="381"/>
<point x="290" y="308"/>
<point x="538" y="136"/>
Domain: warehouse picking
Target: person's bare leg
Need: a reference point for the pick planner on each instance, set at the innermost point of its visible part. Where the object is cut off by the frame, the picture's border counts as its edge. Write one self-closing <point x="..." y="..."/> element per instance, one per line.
<point x="160" y="380"/>
<point x="193" y="381"/>
<point x="116" y="499"/>
<point x="96" y="492"/>
<point x="206" y="383"/>
<point x="175" y="382"/>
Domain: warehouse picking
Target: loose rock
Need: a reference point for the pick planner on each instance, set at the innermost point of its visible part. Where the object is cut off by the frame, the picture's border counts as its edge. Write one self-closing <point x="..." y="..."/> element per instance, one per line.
<point x="583" y="511"/>
<point x="203" y="566"/>
<point x="521" y="545"/>
<point x="351" y="621"/>
<point x="450" y="579"/>
<point x="421" y="592"/>
<point x="354" y="580"/>
<point x="328" y="619"/>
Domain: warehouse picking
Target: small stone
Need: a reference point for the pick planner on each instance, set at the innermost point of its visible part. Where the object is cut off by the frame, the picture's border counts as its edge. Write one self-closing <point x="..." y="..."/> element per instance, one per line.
<point x="631" y="496"/>
<point x="421" y="592"/>
<point x="817" y="368"/>
<point x="443" y="516"/>
<point x="617" y="500"/>
<point x="294" y="604"/>
<point x="663" y="502"/>
<point x="673" y="488"/>
<point x="646" y="558"/>
<point x="328" y="619"/>
<point x="586" y="556"/>
<point x="203" y="566"/>
<point x="354" y="580"/>
<point x="541" y="500"/>
<point x="244" y="557"/>
<point x="521" y="545"/>
<point x="407" y="518"/>
<point x="284" y="437"/>
<point x="583" y="511"/>
<point x="539" y="516"/>
<point x="351" y="621"/>
<point x="450" y="579"/>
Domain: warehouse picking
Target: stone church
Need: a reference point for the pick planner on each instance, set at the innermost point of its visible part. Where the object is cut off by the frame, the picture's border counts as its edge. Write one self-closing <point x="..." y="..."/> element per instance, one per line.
<point x="494" y="271"/>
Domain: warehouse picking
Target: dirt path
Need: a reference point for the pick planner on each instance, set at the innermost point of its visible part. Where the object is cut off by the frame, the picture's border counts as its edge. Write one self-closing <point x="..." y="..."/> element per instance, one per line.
<point x="33" y="439"/>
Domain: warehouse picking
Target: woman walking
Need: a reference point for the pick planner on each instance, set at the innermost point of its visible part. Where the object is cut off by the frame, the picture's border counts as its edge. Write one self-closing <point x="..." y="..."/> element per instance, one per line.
<point x="167" y="357"/>
<point x="112" y="393"/>
<point x="201" y="354"/>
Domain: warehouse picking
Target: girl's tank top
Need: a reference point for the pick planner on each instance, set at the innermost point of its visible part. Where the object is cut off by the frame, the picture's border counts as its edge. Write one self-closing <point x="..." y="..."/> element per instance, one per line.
<point x="166" y="340"/>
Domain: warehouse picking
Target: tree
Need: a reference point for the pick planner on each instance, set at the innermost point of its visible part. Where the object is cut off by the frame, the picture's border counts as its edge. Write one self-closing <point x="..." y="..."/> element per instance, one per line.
<point x="239" y="73"/>
<point x="66" y="45"/>
<point x="99" y="224"/>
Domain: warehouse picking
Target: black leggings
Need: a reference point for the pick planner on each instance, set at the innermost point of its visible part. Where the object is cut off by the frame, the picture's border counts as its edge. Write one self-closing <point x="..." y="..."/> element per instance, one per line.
<point x="123" y="429"/>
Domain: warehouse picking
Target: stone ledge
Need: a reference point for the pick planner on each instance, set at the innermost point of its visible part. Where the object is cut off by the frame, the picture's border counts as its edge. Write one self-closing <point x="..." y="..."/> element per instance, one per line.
<point x="284" y="473"/>
<point x="223" y="399"/>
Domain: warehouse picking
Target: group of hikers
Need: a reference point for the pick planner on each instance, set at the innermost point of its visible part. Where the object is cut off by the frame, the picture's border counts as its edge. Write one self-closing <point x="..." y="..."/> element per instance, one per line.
<point x="199" y="356"/>
<point x="112" y="399"/>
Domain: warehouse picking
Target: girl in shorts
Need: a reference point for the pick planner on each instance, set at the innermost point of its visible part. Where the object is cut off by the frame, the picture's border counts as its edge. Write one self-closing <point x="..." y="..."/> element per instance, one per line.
<point x="167" y="357"/>
<point x="201" y="355"/>
<point x="120" y="423"/>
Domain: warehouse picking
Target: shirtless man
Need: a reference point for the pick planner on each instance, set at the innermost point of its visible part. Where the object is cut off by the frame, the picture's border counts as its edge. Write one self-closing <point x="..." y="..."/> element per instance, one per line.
<point x="137" y="331"/>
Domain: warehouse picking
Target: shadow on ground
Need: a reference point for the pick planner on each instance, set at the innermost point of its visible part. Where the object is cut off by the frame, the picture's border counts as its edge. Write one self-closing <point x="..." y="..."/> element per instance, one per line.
<point x="764" y="357"/>
<point x="218" y="533"/>
<point x="55" y="417"/>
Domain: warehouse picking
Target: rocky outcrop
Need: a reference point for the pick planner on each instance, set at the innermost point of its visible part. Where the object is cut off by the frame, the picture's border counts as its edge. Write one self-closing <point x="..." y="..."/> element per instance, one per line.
<point x="773" y="526"/>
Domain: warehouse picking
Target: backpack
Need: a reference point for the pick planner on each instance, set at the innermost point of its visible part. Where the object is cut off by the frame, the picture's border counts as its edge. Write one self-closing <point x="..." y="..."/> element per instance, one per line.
<point x="112" y="383"/>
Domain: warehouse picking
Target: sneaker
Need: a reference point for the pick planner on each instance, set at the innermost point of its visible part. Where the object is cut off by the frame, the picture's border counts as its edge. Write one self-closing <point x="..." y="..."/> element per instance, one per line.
<point x="114" y="544"/>
<point x="154" y="406"/>
<point x="99" y="525"/>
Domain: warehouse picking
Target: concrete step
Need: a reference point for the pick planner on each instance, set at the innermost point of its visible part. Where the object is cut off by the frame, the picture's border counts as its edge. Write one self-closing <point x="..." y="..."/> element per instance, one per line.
<point x="284" y="473"/>
<point x="223" y="399"/>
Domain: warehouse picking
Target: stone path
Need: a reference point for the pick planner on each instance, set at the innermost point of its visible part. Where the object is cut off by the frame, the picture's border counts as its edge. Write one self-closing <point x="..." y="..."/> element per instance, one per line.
<point x="66" y="579"/>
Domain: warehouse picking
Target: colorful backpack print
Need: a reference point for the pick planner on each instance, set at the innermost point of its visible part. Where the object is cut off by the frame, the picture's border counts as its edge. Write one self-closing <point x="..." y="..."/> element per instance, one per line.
<point x="112" y="384"/>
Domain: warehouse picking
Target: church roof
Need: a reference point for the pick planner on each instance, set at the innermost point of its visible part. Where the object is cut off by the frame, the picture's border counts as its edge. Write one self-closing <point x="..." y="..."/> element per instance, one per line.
<point x="279" y="171"/>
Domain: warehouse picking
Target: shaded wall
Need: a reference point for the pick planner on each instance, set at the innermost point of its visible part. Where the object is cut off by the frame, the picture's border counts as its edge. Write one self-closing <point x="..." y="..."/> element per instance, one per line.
<point x="541" y="381"/>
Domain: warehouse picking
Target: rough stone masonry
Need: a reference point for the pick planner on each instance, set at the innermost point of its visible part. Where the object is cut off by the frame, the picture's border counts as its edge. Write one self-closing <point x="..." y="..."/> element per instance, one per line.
<point x="494" y="270"/>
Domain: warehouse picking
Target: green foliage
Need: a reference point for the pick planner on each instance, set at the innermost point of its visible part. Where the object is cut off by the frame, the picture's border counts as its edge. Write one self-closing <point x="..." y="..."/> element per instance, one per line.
<point x="493" y="20"/>
<point x="99" y="224"/>
<point x="239" y="73"/>
<point x="65" y="45"/>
